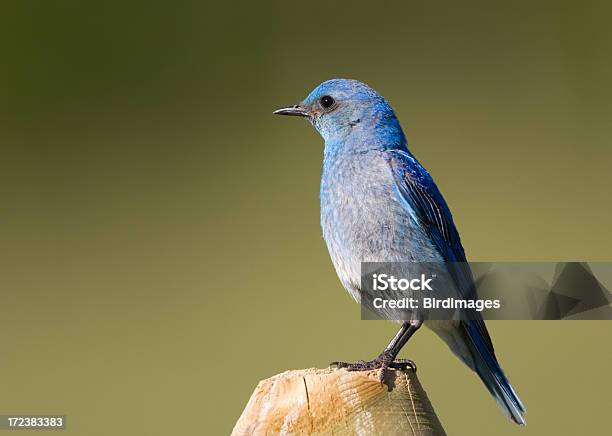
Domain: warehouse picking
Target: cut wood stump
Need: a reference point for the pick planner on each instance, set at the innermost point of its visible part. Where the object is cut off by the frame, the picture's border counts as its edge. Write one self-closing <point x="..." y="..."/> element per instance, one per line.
<point x="339" y="402"/>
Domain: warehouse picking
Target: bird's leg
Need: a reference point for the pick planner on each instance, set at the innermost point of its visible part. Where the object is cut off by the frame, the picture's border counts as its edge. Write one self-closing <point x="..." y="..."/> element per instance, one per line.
<point x="398" y="342"/>
<point x="386" y="359"/>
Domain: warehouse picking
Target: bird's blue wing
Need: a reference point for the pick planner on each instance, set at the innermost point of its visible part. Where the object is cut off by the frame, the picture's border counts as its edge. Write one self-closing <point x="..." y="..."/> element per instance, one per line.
<point x="427" y="205"/>
<point x="418" y="189"/>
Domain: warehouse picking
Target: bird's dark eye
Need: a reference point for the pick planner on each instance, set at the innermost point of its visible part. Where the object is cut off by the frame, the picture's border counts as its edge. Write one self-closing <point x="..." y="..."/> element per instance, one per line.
<point x="327" y="101"/>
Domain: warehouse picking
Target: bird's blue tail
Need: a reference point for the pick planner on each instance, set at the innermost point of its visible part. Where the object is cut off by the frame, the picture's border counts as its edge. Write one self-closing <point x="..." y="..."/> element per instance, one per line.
<point x="491" y="374"/>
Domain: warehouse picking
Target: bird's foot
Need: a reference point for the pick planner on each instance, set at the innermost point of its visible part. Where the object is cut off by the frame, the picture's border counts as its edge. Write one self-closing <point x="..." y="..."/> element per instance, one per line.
<point x="383" y="362"/>
<point x="403" y="364"/>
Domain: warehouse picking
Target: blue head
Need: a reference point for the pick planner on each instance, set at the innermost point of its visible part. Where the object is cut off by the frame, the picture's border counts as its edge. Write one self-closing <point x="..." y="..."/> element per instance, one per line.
<point x="348" y="111"/>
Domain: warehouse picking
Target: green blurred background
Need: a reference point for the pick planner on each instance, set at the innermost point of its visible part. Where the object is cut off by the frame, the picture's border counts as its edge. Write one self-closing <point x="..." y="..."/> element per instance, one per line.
<point x="161" y="249"/>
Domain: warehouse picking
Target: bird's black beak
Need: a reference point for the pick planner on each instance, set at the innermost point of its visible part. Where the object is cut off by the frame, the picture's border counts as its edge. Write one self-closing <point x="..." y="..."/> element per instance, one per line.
<point x="296" y="110"/>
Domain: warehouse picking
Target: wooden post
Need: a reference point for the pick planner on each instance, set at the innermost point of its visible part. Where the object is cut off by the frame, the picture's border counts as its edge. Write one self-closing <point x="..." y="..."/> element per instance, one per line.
<point x="339" y="402"/>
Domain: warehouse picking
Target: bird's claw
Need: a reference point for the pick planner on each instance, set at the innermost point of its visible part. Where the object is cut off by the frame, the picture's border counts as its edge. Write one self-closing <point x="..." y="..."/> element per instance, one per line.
<point x="403" y="364"/>
<point x="382" y="362"/>
<point x="360" y="365"/>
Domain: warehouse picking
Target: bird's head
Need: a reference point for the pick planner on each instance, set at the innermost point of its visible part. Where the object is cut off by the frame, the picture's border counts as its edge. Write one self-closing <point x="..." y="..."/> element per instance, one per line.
<point x="338" y="108"/>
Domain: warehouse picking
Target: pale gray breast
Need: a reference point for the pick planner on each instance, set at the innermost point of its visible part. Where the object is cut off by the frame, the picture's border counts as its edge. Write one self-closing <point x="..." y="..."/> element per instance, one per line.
<point x="364" y="219"/>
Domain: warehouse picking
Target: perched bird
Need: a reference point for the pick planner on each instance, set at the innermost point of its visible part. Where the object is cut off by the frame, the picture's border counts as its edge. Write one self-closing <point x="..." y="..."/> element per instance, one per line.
<point x="378" y="204"/>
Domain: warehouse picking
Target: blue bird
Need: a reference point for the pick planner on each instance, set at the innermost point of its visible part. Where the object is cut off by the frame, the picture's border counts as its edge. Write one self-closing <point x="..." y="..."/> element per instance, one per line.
<point x="378" y="204"/>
